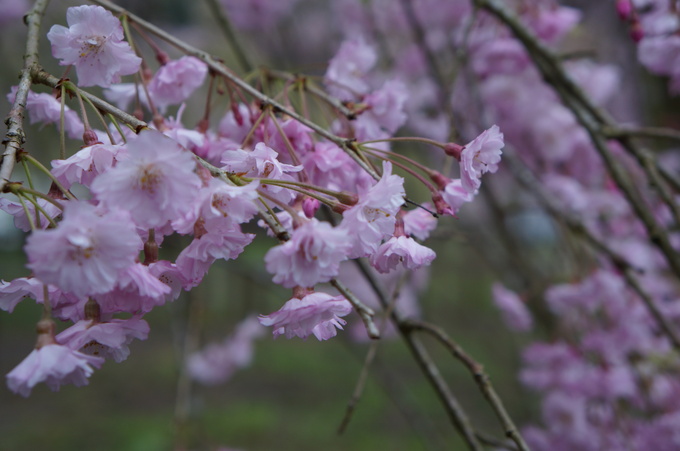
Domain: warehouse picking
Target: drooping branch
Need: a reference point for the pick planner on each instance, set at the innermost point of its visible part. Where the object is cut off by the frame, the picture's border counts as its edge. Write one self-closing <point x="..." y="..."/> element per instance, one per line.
<point x="454" y="410"/>
<point x="576" y="226"/>
<point x="595" y="122"/>
<point x="480" y="376"/>
<point x="15" y="137"/>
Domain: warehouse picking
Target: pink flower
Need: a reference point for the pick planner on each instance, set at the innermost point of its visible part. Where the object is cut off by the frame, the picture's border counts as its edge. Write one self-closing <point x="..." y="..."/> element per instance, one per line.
<point x="401" y="250"/>
<point x="222" y="240"/>
<point x="45" y="108"/>
<point x="375" y="215"/>
<point x="315" y="313"/>
<point x="386" y="105"/>
<point x="86" y="164"/>
<point x="156" y="183"/>
<point x="107" y="339"/>
<point x="94" y="44"/>
<point x="86" y="252"/>
<point x="311" y="256"/>
<point x="175" y="81"/>
<point x="218" y="361"/>
<point x="479" y="156"/>
<point x="11" y="293"/>
<point x="515" y="314"/>
<point x="455" y="195"/>
<point x="419" y="223"/>
<point x="346" y="73"/>
<point x="53" y="364"/>
<point x="262" y="162"/>
<point x="21" y="221"/>
<point x="330" y="166"/>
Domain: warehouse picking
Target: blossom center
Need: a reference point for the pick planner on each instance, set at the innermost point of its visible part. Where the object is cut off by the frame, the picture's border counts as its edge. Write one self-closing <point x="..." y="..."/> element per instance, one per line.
<point x="149" y="179"/>
<point x="92" y="45"/>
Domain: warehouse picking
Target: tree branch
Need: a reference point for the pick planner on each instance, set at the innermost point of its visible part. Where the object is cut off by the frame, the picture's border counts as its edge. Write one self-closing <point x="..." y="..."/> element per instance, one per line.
<point x="481" y="378"/>
<point x="594" y="121"/>
<point x="15" y="137"/>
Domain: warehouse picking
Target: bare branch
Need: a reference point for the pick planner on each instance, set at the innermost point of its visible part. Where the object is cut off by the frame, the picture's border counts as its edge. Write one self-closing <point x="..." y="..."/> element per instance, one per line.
<point x="15" y="137"/>
<point x="481" y="378"/>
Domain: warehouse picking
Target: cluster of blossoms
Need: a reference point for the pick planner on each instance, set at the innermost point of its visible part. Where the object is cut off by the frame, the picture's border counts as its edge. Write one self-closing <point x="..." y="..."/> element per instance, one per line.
<point x="607" y="372"/>
<point x="95" y="259"/>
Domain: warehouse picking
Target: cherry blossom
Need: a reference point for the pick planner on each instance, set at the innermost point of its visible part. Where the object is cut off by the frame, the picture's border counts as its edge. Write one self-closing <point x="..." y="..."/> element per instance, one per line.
<point x="312" y="255"/>
<point x="311" y="313"/>
<point x="94" y="44"/>
<point x="479" y="156"/>
<point x="176" y="80"/>
<point x="156" y="183"/>
<point x="108" y="339"/>
<point x="86" y="252"/>
<point x="374" y="216"/>
<point x="401" y="250"/>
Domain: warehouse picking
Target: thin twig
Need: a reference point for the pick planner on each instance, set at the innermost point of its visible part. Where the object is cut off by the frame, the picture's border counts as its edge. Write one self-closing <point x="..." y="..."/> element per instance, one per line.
<point x="480" y="376"/>
<point x="15" y="136"/>
<point x="42" y="77"/>
<point x="365" y="312"/>
<point x="312" y="88"/>
<point x="454" y="410"/>
<point x="228" y="32"/>
<point x="642" y="132"/>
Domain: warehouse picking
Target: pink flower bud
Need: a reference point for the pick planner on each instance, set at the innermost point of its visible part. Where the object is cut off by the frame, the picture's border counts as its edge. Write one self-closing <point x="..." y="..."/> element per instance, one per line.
<point x="90" y="138"/>
<point x="624" y="9"/>
<point x="310" y="206"/>
<point x="454" y="150"/>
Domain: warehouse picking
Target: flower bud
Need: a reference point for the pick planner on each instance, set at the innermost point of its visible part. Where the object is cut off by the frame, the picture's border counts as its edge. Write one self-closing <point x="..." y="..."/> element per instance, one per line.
<point x="453" y="150"/>
<point x="624" y="9"/>
<point x="310" y="206"/>
<point x="636" y="31"/>
<point x="90" y="138"/>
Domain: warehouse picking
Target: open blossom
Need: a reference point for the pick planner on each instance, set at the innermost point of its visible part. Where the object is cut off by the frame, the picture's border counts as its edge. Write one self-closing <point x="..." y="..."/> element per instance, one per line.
<point x="455" y="195"/>
<point x="94" y="44"/>
<point x="314" y="313"/>
<point x="386" y="105"/>
<point x="175" y="81"/>
<point x="84" y="254"/>
<point x="346" y="73"/>
<point x="480" y="156"/>
<point x="86" y="164"/>
<point x="401" y="250"/>
<point x="156" y="183"/>
<point x="312" y="255"/>
<point x="419" y="222"/>
<point x="374" y="216"/>
<point x="53" y="364"/>
<point x="104" y="339"/>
